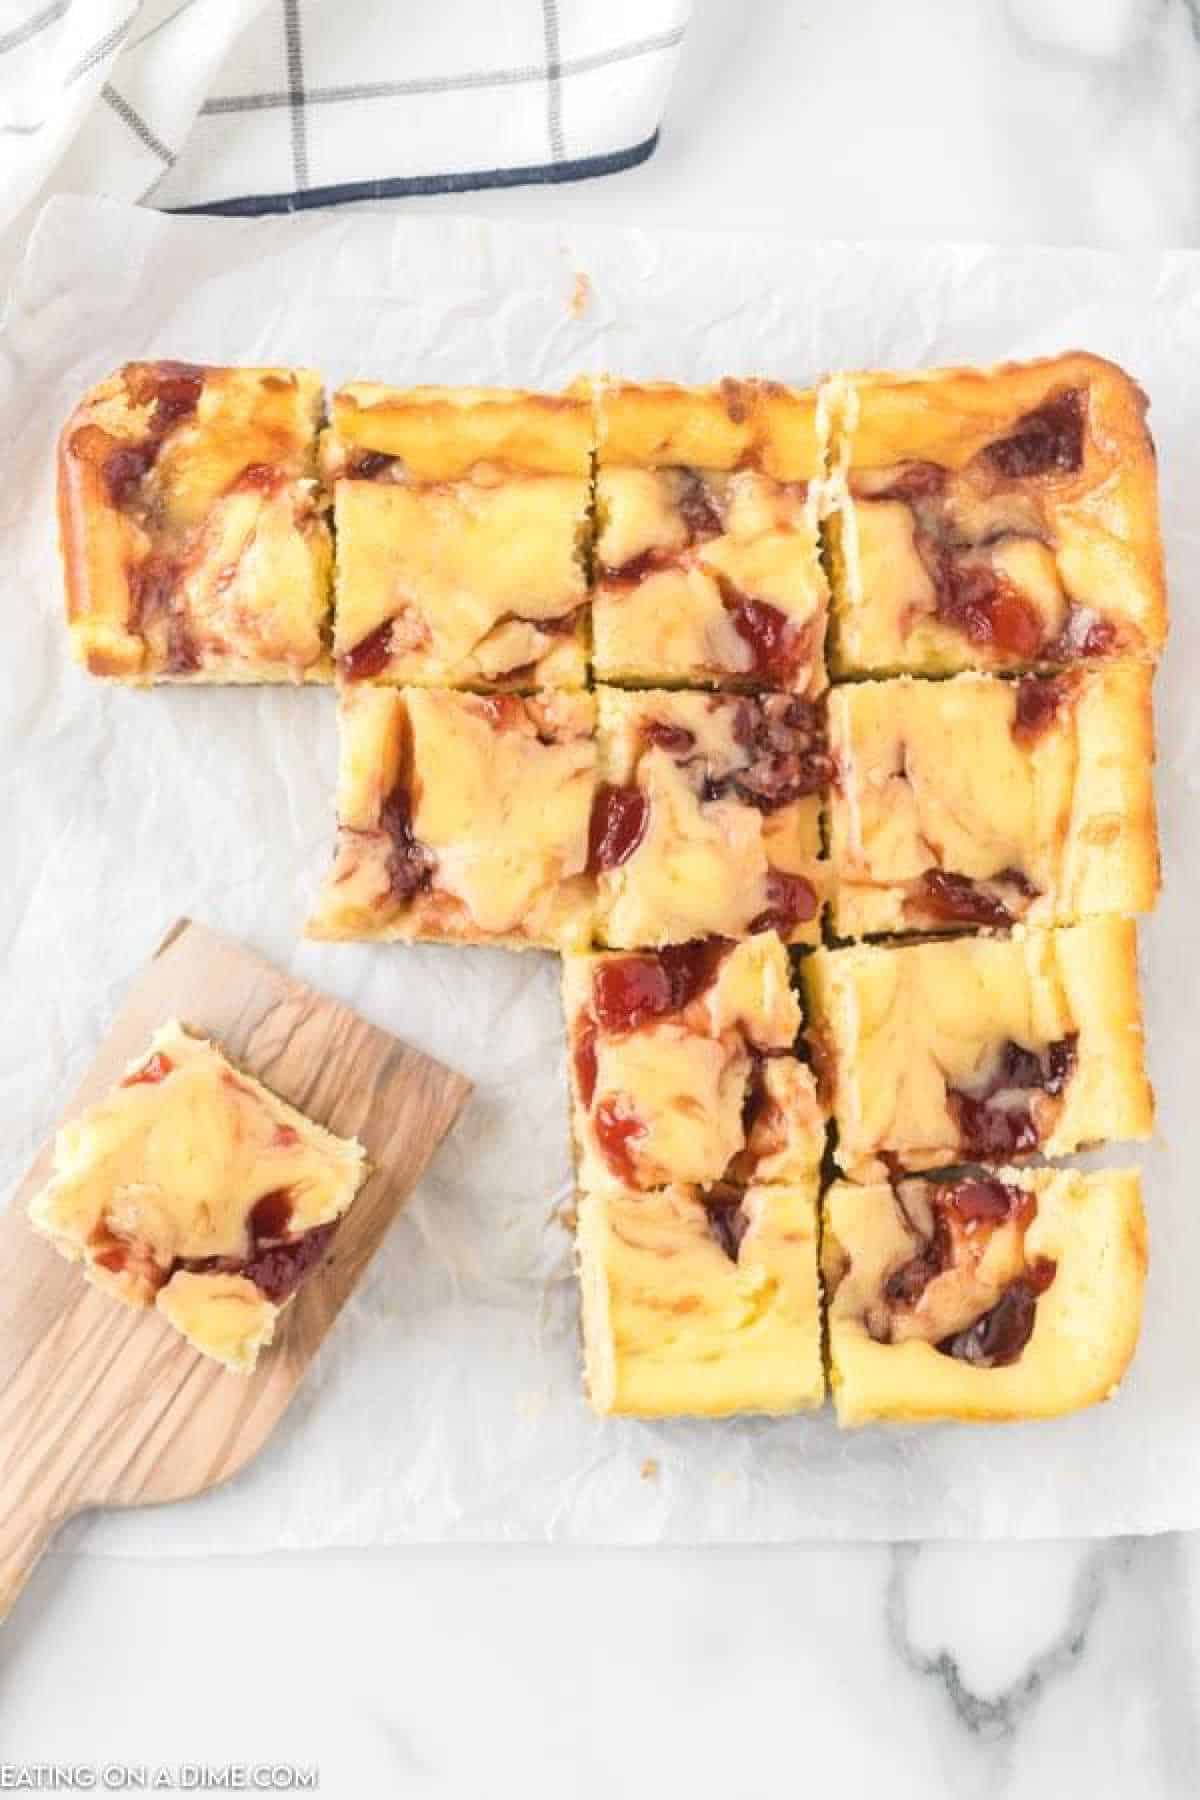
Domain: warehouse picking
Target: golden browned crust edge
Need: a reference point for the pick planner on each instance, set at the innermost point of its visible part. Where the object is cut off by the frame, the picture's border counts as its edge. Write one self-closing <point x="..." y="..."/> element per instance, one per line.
<point x="441" y="433"/>
<point x="731" y="424"/>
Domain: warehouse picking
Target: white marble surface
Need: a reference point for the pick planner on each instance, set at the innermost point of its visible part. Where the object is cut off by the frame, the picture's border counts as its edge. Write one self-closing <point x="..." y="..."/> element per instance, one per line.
<point x="1037" y="1670"/>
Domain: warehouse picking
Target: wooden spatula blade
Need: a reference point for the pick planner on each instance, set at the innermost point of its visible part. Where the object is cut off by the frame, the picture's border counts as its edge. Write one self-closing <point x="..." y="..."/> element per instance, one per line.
<point x="104" y="1406"/>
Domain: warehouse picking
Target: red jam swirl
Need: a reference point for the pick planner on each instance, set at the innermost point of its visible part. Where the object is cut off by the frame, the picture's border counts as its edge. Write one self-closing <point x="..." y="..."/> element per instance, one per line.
<point x="954" y="899"/>
<point x="778" y="647"/>
<point x="1040" y="699"/>
<point x="1047" y="441"/>
<point x="271" y="1214"/>
<point x="791" y="901"/>
<point x="370" y="656"/>
<point x="410" y="863"/>
<point x="676" y="740"/>
<point x="986" y="608"/>
<point x="278" y="1271"/>
<point x="617" y="1133"/>
<point x="998" y="1337"/>
<point x="973" y="1207"/>
<point x="697" y="507"/>
<point x="726" y="1216"/>
<point x="628" y="991"/>
<point x="786" y="753"/>
<point x="584" y="1056"/>
<point x="173" y="389"/>
<point x="156" y="1068"/>
<point x="617" y="826"/>
<point x="972" y="596"/>
<point x="990" y="1129"/>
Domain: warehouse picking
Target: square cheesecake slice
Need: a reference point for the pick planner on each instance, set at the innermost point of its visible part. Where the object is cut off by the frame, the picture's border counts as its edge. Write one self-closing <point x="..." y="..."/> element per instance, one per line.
<point x="980" y="1049"/>
<point x="1002" y="518"/>
<point x="708" y="571"/>
<point x="983" y="1296"/>
<point x="980" y="802"/>
<point x="462" y="519"/>
<point x="701" y="1301"/>
<point x="193" y="528"/>
<point x="192" y="1188"/>
<point x="684" y="1067"/>
<point x="708" y="817"/>
<point x="462" y="817"/>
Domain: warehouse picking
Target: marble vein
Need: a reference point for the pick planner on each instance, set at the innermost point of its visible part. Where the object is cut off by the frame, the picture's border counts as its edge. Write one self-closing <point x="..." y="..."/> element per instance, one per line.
<point x="996" y="1719"/>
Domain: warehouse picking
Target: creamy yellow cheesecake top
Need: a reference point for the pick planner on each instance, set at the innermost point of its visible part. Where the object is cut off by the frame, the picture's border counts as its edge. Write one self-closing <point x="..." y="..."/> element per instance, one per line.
<point x="1004" y="1294"/>
<point x="980" y="1048"/>
<point x="701" y="1301"/>
<point x="462" y="520"/>
<point x="193" y="1188"/>
<point x="979" y="802"/>
<point x="995" y="518"/>
<point x="707" y="817"/>
<point x="709" y="572"/>
<point x="684" y="1069"/>
<point x="462" y="816"/>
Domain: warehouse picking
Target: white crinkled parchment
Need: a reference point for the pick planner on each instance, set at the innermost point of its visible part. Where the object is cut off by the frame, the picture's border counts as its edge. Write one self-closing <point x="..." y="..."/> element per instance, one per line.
<point x="447" y="1402"/>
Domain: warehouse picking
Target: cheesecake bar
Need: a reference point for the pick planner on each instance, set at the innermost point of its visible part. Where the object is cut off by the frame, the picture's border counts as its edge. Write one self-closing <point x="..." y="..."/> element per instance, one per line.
<point x="193" y="528"/>
<point x="193" y="1189"/>
<point x="980" y="1049"/>
<point x="707" y="819"/>
<point x="683" y="1066"/>
<point x="987" y="1296"/>
<point x="980" y="802"/>
<point x="462" y="520"/>
<point x="1002" y="518"/>
<point x="701" y="1300"/>
<point x="462" y="817"/>
<point x="708" y="570"/>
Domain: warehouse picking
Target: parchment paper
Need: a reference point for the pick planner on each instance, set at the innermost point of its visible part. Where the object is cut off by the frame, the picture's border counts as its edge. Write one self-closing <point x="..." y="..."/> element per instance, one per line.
<point x="447" y="1402"/>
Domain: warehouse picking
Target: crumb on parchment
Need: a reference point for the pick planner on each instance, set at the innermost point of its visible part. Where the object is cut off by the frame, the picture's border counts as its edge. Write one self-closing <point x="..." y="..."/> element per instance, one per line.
<point x="581" y="295"/>
<point x="649" y="1469"/>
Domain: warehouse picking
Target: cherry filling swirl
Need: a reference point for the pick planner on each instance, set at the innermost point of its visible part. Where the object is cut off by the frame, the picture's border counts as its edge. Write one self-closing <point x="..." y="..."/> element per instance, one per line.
<point x="997" y="1119"/>
<point x="785" y="755"/>
<point x="726" y="1216"/>
<point x="1041" y="699"/>
<point x="618" y="1132"/>
<point x="410" y="863"/>
<point x="172" y="390"/>
<point x="965" y="1213"/>
<point x="617" y="826"/>
<point x="954" y="899"/>
<point x="971" y="595"/>
<point x="628" y="991"/>
<point x="276" y="1262"/>
<point x="791" y="901"/>
<point x="156" y="1068"/>
<point x="370" y="656"/>
<point x="1000" y="1334"/>
<point x="979" y="602"/>
<point x="700" y="514"/>
<point x="778" y="647"/>
<point x="1047" y="441"/>
<point x="584" y="1058"/>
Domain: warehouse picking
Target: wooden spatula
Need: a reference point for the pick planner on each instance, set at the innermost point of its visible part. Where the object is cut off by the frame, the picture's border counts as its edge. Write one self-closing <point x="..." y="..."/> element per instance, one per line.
<point x="104" y="1406"/>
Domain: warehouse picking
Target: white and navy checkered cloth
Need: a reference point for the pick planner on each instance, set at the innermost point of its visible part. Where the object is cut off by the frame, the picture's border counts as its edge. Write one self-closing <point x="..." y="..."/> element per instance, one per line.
<point x="249" y="106"/>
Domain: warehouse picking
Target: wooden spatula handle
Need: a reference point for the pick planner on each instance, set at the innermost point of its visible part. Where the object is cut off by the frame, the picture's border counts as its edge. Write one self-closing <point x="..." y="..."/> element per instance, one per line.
<point x="26" y="1527"/>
